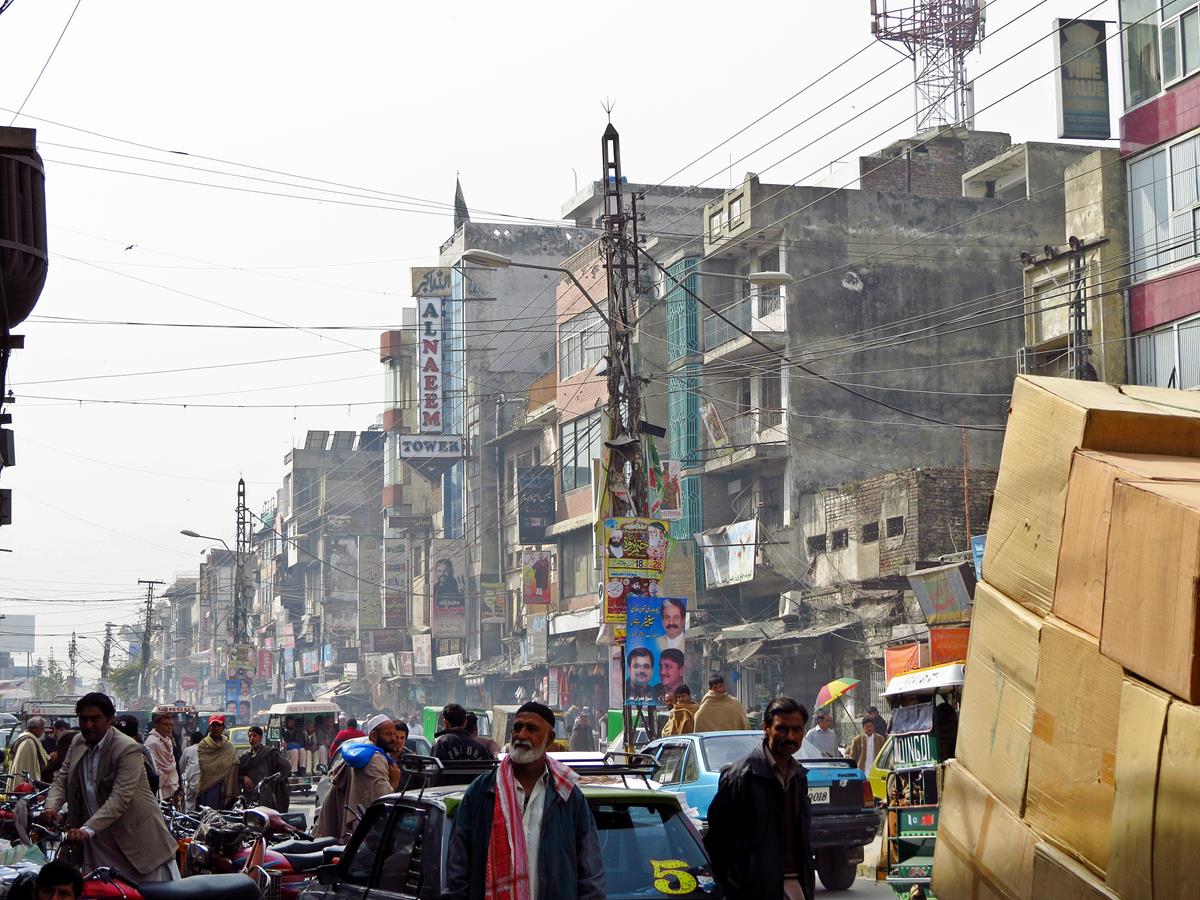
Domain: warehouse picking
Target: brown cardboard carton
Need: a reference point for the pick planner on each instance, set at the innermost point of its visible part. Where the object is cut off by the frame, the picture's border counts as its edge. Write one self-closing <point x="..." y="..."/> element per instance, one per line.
<point x="1058" y="877"/>
<point x="1176" y="823"/>
<point x="998" y="695"/>
<point x="1143" y="721"/>
<point x="1150" y="614"/>
<point x="1049" y="419"/>
<point x="1072" y="754"/>
<point x="1083" y="554"/>
<point x="983" y="849"/>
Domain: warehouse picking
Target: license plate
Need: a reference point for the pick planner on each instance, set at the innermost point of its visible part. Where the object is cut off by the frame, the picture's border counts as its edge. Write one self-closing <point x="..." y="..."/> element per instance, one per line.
<point x="818" y="795"/>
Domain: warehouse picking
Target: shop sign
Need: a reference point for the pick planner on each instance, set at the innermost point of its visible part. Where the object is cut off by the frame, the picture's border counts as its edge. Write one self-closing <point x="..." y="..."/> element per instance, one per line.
<point x="1081" y="55"/>
<point x="948" y="644"/>
<point x="429" y="365"/>
<point x="535" y="503"/>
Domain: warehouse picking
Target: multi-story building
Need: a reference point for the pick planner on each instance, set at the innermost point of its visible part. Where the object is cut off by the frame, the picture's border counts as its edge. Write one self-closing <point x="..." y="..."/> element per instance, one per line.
<point x="329" y="514"/>
<point x="1160" y="146"/>
<point x="901" y="323"/>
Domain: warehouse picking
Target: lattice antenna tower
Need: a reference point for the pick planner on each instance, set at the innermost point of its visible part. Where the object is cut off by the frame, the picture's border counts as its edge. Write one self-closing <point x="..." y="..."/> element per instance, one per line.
<point x="936" y="35"/>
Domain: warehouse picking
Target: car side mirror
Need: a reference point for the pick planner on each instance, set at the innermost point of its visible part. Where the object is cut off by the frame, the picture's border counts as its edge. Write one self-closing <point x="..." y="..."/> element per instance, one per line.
<point x="328" y="874"/>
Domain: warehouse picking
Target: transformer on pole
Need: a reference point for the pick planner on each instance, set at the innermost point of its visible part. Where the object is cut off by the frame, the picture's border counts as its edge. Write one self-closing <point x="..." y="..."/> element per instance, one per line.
<point x="936" y="35"/>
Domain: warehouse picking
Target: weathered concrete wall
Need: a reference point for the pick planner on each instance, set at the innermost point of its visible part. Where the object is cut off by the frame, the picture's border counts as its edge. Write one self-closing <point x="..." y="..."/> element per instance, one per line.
<point x="927" y="165"/>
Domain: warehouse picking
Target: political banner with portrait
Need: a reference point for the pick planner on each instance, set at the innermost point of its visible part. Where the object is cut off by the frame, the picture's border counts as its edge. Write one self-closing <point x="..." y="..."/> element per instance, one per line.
<point x="535" y="577"/>
<point x="448" y="586"/>
<point x="238" y="705"/>
<point x="655" y="661"/>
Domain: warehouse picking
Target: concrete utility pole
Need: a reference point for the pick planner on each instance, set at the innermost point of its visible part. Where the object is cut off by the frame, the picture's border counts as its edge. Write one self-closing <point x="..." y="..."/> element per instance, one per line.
<point x="146" y="633"/>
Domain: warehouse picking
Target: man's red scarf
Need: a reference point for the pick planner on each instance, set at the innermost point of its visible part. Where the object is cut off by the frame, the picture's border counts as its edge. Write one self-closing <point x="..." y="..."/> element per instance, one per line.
<point x="507" y="860"/>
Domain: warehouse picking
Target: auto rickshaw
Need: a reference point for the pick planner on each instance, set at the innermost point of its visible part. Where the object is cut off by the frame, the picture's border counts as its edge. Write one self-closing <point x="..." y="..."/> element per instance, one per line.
<point x="922" y="736"/>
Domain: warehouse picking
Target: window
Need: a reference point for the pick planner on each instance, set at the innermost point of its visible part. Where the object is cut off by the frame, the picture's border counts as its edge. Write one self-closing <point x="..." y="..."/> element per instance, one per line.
<point x="870" y="532"/>
<point x="735" y="210"/>
<point x="638" y="839"/>
<point x="395" y="875"/>
<point x="1139" y="44"/>
<point x="895" y="526"/>
<point x="582" y="342"/>
<point x="577" y="564"/>
<point x="816" y="544"/>
<point x="716" y="224"/>
<point x="771" y="401"/>
<point x="581" y="441"/>
<point x="841" y="539"/>
<point x="768" y="297"/>
<point x="670" y="764"/>
<point x="360" y="866"/>
<point x="1149" y="212"/>
<point x="1169" y="356"/>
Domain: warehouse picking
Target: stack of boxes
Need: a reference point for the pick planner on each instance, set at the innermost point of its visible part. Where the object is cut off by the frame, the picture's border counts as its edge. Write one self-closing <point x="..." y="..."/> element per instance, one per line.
<point x="1078" y="747"/>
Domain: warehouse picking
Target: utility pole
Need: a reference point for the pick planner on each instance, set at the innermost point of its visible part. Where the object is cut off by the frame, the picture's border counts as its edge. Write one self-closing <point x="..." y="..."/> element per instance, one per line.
<point x="241" y="552"/>
<point x="72" y="658"/>
<point x="146" y="633"/>
<point x="619" y="245"/>
<point x="106" y="660"/>
<point x="626" y="460"/>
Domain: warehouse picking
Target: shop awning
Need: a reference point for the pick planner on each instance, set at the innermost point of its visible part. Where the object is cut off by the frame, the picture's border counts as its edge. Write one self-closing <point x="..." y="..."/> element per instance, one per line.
<point x="745" y="651"/>
<point x="765" y="630"/>
<point x="576" y="620"/>
<point x="571" y="524"/>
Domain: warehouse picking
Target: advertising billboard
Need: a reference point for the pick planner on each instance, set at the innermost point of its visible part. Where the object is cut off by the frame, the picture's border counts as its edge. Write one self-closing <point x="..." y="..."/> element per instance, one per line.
<point x="535" y="577"/>
<point x="1080" y="53"/>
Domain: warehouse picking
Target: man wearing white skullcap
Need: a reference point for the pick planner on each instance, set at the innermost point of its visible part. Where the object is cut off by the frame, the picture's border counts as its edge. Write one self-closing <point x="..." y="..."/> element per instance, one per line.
<point x="362" y="774"/>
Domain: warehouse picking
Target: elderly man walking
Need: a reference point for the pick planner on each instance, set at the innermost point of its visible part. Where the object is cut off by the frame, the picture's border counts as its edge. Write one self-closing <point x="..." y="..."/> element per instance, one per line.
<point x="161" y="744"/>
<point x="110" y="809"/>
<point x="28" y="754"/>
<point x="218" y="767"/>
<point x="363" y="773"/>
<point x="525" y="830"/>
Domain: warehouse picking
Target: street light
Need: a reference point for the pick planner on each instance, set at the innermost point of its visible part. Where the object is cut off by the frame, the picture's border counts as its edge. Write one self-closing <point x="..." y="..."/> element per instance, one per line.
<point x="187" y="532"/>
<point x="486" y="259"/>
<point x="758" y="279"/>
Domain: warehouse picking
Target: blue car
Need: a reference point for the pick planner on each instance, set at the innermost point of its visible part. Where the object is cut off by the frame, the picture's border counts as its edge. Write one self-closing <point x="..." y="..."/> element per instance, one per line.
<point x="844" y="816"/>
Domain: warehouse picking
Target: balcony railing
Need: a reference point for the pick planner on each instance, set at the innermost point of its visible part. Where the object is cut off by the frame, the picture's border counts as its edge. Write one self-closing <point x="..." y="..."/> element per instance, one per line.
<point x="762" y="310"/>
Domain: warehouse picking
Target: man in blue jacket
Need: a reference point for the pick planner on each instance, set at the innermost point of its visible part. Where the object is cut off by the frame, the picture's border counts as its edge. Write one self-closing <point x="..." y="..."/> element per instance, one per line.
<point x="524" y="831"/>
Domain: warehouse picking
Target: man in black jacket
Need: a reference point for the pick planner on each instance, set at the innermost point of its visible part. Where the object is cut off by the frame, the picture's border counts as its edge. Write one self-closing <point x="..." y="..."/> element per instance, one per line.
<point x="758" y="821"/>
<point x="454" y="743"/>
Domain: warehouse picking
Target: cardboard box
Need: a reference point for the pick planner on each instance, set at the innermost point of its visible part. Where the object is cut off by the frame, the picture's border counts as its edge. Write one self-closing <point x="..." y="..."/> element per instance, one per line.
<point x="983" y="849"/>
<point x="1143" y="722"/>
<point x="1083" y="554"/>
<point x="1049" y="419"/>
<point x="1072" y="755"/>
<point x="1058" y="877"/>
<point x="1150" y="602"/>
<point x="1176" y="824"/>
<point x="998" y="695"/>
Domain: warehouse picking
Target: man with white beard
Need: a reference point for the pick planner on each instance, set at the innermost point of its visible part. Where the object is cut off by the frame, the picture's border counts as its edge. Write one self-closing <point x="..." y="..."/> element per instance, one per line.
<point x="525" y="830"/>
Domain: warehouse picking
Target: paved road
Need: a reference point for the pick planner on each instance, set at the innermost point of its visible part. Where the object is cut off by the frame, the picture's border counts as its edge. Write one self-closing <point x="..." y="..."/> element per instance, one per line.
<point x="863" y="887"/>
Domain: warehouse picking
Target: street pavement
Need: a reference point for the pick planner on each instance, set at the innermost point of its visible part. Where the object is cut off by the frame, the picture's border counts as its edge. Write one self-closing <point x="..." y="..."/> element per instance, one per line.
<point x="865" y="886"/>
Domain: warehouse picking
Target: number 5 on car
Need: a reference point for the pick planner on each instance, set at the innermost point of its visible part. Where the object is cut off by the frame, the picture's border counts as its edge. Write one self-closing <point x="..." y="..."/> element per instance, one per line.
<point x="671" y="876"/>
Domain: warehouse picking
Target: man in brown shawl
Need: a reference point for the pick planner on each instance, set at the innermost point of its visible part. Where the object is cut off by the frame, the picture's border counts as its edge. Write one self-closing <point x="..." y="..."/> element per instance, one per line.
<point x="218" y="767"/>
<point x="362" y="774"/>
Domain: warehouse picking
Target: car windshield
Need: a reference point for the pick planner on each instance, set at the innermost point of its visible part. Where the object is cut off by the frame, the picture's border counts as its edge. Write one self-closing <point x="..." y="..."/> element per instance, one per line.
<point x="649" y="851"/>
<point x="724" y="749"/>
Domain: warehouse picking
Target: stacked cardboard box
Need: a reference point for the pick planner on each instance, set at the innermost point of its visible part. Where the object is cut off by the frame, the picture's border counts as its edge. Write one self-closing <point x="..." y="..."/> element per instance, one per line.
<point x="1077" y="746"/>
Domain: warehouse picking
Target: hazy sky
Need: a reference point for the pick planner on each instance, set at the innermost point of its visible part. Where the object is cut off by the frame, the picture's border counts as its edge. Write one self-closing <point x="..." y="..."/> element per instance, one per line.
<point x="390" y="99"/>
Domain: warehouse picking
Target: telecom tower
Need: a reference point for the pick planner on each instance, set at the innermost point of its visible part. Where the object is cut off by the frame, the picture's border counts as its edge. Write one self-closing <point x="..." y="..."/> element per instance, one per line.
<point x="936" y="35"/>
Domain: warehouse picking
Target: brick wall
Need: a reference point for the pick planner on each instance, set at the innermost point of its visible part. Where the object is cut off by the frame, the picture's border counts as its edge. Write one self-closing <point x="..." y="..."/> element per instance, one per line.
<point x="929" y="167"/>
<point x="942" y="525"/>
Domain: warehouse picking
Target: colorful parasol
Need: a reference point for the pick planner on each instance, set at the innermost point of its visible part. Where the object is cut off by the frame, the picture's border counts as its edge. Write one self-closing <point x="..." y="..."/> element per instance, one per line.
<point x="836" y="689"/>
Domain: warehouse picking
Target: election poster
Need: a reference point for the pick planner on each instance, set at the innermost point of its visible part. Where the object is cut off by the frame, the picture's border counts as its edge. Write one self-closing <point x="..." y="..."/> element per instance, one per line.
<point x="238" y="705"/>
<point x="656" y="664"/>
<point x="448" y="586"/>
<point x="635" y="557"/>
<point x="535" y="577"/>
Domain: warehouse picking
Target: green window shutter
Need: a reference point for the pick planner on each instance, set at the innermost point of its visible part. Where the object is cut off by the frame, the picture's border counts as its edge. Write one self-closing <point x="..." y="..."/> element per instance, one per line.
<point x="683" y="318"/>
<point x="683" y="415"/>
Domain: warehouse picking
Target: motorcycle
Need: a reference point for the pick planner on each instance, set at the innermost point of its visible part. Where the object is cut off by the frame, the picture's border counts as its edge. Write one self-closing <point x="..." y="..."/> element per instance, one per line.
<point x="109" y="884"/>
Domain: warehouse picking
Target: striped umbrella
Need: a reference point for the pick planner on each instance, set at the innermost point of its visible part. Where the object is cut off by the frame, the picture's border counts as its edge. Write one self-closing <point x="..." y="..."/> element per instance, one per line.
<point x="836" y="689"/>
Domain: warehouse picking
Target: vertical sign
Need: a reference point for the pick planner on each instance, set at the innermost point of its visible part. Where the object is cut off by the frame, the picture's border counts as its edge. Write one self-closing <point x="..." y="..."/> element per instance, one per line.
<point x="429" y="365"/>
<point x="422" y="654"/>
<point x="654" y="638"/>
<point x="396" y="583"/>
<point x="538" y="636"/>
<point x="448" y="588"/>
<point x="1082" y="85"/>
<point x="535" y="503"/>
<point x="535" y="577"/>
